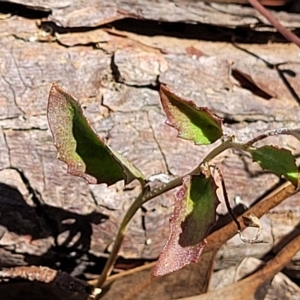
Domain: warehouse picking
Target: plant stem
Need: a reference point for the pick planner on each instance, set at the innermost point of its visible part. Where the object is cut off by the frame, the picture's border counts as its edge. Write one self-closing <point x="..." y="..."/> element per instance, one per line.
<point x="219" y="149"/>
<point x="119" y="239"/>
<point x="279" y="131"/>
<point x="162" y="189"/>
<point x="177" y="181"/>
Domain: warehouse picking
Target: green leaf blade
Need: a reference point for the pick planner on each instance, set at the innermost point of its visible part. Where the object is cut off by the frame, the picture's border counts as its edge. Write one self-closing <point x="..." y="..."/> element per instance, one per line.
<point x="129" y="169"/>
<point x="193" y="216"/>
<point x="193" y="123"/>
<point x="200" y="211"/>
<point x="280" y="161"/>
<point x="85" y="154"/>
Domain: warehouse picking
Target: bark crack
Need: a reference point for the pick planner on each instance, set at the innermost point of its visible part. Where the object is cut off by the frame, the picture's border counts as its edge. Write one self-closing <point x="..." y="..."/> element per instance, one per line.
<point x="14" y="95"/>
<point x="158" y="145"/>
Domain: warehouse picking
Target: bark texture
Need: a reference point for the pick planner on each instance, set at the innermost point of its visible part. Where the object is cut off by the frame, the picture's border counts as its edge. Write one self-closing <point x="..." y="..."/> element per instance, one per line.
<point x="48" y="217"/>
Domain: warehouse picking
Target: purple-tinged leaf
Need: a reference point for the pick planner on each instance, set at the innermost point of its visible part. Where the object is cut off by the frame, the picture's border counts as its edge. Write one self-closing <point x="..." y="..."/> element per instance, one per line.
<point x="193" y="216"/>
<point x="80" y="147"/>
<point x="280" y="161"/>
<point x="193" y="123"/>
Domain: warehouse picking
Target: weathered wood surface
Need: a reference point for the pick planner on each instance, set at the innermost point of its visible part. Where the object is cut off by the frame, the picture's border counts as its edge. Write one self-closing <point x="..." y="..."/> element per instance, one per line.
<point x="80" y="13"/>
<point x="115" y="76"/>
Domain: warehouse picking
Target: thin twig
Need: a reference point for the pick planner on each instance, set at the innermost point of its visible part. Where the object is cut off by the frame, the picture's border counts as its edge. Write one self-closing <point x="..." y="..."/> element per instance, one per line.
<point x="290" y="36"/>
<point x="220" y="236"/>
<point x="125" y="273"/>
<point x="250" y="221"/>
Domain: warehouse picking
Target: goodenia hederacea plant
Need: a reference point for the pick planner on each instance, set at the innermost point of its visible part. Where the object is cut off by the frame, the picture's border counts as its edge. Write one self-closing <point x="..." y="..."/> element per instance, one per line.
<point x="193" y="123"/>
<point x="85" y="154"/>
<point x="196" y="201"/>
<point x="193" y="216"/>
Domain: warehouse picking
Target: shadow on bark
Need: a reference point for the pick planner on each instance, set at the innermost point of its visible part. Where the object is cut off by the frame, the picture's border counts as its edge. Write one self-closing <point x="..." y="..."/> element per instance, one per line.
<point x="28" y="225"/>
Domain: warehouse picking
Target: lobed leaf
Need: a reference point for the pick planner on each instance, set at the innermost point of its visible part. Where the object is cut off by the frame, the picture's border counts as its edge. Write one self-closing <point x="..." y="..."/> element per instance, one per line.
<point x="280" y="161"/>
<point x="193" y="123"/>
<point x="80" y="147"/>
<point x="193" y="216"/>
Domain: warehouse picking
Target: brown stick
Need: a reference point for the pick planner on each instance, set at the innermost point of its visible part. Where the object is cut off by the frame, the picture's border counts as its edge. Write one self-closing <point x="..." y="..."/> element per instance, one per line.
<point x="247" y="288"/>
<point x="219" y="237"/>
<point x="290" y="36"/>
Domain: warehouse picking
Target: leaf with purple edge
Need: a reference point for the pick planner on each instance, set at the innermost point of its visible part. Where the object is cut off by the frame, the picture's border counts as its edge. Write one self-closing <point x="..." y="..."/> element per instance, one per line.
<point x="193" y="123"/>
<point x="80" y="147"/>
<point x="194" y="214"/>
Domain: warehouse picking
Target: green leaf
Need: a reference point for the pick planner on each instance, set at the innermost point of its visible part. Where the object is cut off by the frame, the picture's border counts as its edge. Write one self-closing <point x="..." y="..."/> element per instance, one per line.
<point x="193" y="123"/>
<point x="193" y="216"/>
<point x="80" y="147"/>
<point x="129" y="169"/>
<point x="280" y="161"/>
<point x="201" y="204"/>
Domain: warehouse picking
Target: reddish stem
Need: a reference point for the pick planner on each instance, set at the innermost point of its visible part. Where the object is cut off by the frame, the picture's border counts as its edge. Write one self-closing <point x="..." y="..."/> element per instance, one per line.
<point x="290" y="36"/>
